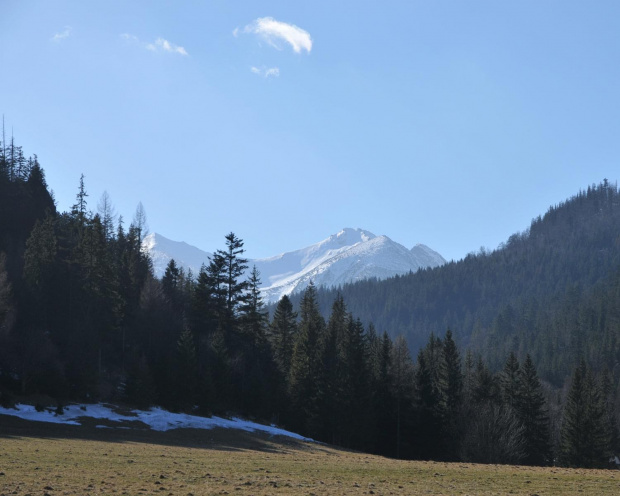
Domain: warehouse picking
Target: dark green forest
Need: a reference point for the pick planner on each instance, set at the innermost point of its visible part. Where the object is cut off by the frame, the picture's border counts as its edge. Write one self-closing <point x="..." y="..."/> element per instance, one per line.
<point x="552" y="291"/>
<point x="515" y="350"/>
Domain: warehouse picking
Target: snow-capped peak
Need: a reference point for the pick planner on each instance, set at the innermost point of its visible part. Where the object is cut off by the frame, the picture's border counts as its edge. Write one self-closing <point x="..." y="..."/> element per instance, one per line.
<point x="347" y="256"/>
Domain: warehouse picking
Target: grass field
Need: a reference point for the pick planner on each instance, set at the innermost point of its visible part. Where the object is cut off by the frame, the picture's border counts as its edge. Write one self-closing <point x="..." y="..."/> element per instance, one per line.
<point x="44" y="459"/>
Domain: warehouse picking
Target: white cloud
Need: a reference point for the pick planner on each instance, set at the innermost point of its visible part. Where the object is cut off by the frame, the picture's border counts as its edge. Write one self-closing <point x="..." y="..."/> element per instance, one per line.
<point x="274" y="32"/>
<point x="266" y="72"/>
<point x="159" y="45"/>
<point x="166" y="46"/>
<point x="62" y="35"/>
<point x="236" y="32"/>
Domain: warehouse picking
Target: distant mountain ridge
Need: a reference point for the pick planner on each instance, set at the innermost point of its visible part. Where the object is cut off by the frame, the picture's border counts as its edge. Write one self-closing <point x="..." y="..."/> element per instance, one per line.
<point x="347" y="256"/>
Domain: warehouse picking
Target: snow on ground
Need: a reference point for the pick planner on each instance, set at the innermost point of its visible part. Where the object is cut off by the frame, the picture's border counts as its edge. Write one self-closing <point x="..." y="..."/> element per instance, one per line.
<point x="156" y="418"/>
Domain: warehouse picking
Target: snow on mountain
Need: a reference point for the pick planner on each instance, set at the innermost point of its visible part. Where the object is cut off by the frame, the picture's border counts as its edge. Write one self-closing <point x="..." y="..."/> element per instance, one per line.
<point x="348" y="256"/>
<point x="163" y="249"/>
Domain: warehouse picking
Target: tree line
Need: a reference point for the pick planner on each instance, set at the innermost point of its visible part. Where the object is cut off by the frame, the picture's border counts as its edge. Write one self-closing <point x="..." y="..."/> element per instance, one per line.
<point x="83" y="318"/>
<point x="550" y="291"/>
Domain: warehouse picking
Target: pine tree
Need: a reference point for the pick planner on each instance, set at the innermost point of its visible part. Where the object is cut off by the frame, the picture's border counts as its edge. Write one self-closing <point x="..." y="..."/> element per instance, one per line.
<point x="430" y="411"/>
<point x="106" y="211"/>
<point x="453" y="375"/>
<point x="6" y="300"/>
<point x="510" y="380"/>
<point x="584" y="441"/>
<point x="230" y="266"/>
<point x="383" y="399"/>
<point x="333" y="375"/>
<point x="254" y="317"/>
<point x="79" y="210"/>
<point x="186" y="372"/>
<point x="453" y="393"/>
<point x="171" y="285"/>
<point x="306" y="365"/>
<point x="257" y="373"/>
<point x="140" y="223"/>
<point x="532" y="413"/>
<point x="611" y="419"/>
<point x="355" y="394"/>
<point x="40" y="254"/>
<point x="403" y="377"/>
<point x="282" y="331"/>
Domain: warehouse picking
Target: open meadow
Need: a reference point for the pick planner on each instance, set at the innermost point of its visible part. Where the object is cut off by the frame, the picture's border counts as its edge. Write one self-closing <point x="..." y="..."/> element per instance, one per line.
<point x="45" y="459"/>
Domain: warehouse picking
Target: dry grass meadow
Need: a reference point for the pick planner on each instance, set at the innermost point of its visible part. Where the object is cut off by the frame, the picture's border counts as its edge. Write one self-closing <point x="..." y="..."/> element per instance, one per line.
<point x="46" y="459"/>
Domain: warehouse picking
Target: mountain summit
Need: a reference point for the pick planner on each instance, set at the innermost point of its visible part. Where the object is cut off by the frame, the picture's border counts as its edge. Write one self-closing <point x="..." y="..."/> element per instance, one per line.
<point x="347" y="256"/>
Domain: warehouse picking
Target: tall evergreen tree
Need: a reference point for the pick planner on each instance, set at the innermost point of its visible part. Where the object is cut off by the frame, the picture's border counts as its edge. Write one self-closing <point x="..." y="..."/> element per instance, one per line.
<point x="106" y="212"/>
<point x="403" y="377"/>
<point x="231" y="266"/>
<point x="584" y="436"/>
<point x="282" y="332"/>
<point x="333" y="376"/>
<point x="306" y="365"/>
<point x="430" y="411"/>
<point x="510" y="380"/>
<point x="453" y="396"/>
<point x="532" y="412"/>
<point x="79" y="210"/>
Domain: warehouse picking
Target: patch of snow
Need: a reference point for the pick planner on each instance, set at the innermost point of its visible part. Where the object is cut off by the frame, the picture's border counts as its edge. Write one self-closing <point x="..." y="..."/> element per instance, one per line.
<point x="157" y="419"/>
<point x="28" y="412"/>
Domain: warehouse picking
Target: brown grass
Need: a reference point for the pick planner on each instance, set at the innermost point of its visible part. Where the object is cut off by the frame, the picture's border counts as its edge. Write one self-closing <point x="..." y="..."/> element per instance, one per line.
<point x="39" y="459"/>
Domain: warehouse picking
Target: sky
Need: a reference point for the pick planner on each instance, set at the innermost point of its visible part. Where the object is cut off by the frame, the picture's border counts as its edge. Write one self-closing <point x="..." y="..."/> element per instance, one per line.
<point x="447" y="123"/>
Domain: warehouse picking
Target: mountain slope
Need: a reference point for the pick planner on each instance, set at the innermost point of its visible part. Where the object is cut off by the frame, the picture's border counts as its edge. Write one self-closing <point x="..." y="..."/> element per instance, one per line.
<point x="533" y="295"/>
<point x="162" y="249"/>
<point x="348" y="256"/>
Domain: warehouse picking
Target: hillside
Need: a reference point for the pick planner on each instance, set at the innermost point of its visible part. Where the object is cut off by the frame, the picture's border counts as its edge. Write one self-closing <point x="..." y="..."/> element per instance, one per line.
<point x="537" y="293"/>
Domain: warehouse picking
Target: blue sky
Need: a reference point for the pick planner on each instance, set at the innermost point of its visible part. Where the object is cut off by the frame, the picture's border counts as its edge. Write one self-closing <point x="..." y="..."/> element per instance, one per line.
<point x="447" y="123"/>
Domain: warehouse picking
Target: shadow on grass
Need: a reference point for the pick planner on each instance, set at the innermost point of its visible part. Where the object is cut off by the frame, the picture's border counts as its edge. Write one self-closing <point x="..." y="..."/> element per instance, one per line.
<point x="138" y="432"/>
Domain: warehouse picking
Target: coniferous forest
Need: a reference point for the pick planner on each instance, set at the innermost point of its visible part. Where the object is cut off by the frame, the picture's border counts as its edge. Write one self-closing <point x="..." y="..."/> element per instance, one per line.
<point x="510" y="356"/>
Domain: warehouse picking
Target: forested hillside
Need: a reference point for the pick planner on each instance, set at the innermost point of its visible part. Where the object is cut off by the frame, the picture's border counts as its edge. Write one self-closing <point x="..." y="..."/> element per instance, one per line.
<point x="83" y="318"/>
<point x="551" y="291"/>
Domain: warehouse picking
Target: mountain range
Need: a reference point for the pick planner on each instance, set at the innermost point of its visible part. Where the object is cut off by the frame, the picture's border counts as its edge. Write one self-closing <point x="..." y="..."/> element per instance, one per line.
<point x="350" y="255"/>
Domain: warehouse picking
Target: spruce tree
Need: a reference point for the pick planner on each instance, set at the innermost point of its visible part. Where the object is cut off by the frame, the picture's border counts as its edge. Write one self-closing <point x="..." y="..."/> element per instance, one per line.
<point x="509" y="380"/>
<point x="306" y="365"/>
<point x="234" y="267"/>
<point x="384" y="408"/>
<point x="106" y="211"/>
<point x="430" y="411"/>
<point x="334" y="378"/>
<point x="453" y="393"/>
<point x="186" y="372"/>
<point x="254" y="317"/>
<point x="282" y="333"/>
<point x="171" y="286"/>
<point x="532" y="413"/>
<point x="403" y="380"/>
<point x="584" y="435"/>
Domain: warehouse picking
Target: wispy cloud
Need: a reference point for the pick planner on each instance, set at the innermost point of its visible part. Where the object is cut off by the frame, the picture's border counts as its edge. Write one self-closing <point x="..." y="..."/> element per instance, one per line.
<point x="159" y="45"/>
<point x="275" y="32"/>
<point x="266" y="72"/>
<point x="58" y="37"/>
<point x="165" y="46"/>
